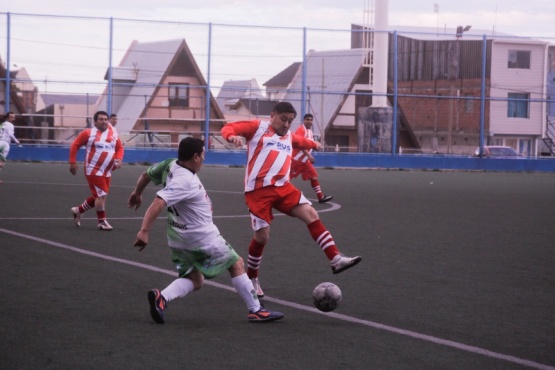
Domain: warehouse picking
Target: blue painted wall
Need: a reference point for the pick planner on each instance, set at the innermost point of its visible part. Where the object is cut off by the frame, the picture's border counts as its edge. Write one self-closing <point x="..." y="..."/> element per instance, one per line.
<point x="354" y="160"/>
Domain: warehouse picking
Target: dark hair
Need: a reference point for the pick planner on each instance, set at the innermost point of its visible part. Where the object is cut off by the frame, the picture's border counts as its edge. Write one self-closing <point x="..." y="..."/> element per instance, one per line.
<point x="284" y="107"/>
<point x="113" y="115"/>
<point x="188" y="147"/>
<point x="308" y="115"/>
<point x="7" y="115"/>
<point x="98" y="114"/>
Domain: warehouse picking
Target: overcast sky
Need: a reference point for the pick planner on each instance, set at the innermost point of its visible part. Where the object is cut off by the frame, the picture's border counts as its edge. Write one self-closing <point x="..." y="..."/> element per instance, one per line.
<point x="37" y="40"/>
<point x="522" y="17"/>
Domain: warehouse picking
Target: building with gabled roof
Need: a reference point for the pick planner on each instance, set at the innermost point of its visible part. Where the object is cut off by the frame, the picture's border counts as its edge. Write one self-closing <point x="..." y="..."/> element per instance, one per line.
<point x="277" y="86"/>
<point x="242" y="100"/>
<point x="337" y="86"/>
<point x="159" y="87"/>
<point x="16" y="103"/>
<point x="433" y="67"/>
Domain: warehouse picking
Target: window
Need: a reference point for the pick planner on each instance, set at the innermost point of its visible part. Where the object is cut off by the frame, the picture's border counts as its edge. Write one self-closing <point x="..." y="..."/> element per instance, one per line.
<point x="179" y="95"/>
<point x="519" y="59"/>
<point x="518" y="105"/>
<point x="525" y="147"/>
<point x="468" y="103"/>
<point x="363" y="98"/>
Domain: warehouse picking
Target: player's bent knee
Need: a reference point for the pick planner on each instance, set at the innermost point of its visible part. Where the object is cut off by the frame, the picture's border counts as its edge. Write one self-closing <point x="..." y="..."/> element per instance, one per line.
<point x="238" y="268"/>
<point x="197" y="278"/>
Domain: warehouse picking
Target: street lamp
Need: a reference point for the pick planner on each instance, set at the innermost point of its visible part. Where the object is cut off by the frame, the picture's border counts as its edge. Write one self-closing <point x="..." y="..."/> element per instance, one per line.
<point x="461" y="30"/>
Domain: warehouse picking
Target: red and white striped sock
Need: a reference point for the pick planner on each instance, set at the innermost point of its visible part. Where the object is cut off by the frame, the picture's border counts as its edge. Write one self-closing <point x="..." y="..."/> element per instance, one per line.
<point x="323" y="237"/>
<point x="255" y="257"/>
<point x="317" y="189"/>
<point x="86" y="205"/>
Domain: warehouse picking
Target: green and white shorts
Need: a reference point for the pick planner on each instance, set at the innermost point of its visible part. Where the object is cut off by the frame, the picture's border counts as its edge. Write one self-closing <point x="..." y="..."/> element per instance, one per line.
<point x="4" y="150"/>
<point x="211" y="260"/>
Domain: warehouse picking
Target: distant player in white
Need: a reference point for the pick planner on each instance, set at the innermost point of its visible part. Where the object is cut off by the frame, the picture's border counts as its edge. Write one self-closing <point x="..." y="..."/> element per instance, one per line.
<point x="197" y="248"/>
<point x="7" y="135"/>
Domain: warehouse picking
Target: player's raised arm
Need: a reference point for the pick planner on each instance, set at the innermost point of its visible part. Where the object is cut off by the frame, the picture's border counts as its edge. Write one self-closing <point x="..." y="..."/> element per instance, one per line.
<point x="233" y="131"/>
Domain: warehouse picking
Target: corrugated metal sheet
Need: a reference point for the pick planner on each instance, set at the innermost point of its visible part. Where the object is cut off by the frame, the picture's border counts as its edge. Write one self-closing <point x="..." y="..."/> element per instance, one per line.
<point x="438" y="60"/>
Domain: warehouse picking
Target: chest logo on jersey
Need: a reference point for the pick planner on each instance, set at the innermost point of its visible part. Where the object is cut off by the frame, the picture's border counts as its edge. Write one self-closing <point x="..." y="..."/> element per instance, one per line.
<point x="104" y="146"/>
<point x="284" y="147"/>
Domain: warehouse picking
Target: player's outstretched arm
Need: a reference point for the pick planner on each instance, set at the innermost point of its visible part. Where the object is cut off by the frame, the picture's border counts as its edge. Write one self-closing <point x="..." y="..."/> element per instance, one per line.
<point x="135" y="198"/>
<point x="157" y="205"/>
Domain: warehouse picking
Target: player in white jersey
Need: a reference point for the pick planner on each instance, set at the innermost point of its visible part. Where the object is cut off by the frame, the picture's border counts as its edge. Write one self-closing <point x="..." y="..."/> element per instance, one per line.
<point x="197" y="248"/>
<point x="7" y="135"/>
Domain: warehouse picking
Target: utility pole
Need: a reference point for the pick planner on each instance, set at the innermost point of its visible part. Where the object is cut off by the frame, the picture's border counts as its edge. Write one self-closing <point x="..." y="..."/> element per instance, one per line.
<point x="323" y="122"/>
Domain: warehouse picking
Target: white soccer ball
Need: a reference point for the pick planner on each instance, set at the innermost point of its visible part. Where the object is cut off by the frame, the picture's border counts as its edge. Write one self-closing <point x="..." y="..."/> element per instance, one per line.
<point x="326" y="296"/>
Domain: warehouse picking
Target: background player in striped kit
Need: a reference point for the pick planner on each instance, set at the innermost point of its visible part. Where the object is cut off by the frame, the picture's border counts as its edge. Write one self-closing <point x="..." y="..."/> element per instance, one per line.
<point x="270" y="144"/>
<point x="104" y="154"/>
<point x="301" y="163"/>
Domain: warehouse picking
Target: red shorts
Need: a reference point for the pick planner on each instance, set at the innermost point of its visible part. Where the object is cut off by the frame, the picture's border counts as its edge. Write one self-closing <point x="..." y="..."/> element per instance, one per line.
<point x="261" y="201"/>
<point x="306" y="169"/>
<point x="99" y="185"/>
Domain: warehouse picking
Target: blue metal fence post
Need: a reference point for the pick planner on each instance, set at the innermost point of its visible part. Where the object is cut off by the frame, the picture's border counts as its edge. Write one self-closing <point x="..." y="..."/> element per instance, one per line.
<point x="303" y="93"/>
<point x="395" y="95"/>
<point x="207" y="112"/>
<point x="110" y="50"/>
<point x="8" y="52"/>
<point x="483" y="95"/>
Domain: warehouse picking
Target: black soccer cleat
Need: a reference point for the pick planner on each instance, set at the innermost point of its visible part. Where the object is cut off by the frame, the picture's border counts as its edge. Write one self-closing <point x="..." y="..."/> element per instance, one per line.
<point x="157" y="305"/>
<point x="325" y="199"/>
<point x="264" y="315"/>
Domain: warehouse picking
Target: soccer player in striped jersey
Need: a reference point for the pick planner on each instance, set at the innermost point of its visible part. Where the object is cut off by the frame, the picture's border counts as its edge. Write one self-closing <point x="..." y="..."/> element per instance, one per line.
<point x="104" y="154"/>
<point x="270" y="144"/>
<point x="302" y="160"/>
<point x="197" y="248"/>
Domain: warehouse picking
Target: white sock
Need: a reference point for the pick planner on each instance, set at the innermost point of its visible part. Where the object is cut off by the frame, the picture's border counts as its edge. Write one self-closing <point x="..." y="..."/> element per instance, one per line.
<point x="179" y="288"/>
<point x="243" y="286"/>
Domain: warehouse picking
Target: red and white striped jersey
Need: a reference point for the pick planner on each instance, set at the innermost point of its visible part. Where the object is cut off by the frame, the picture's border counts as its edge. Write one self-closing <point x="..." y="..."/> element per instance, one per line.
<point x="103" y="148"/>
<point x="298" y="154"/>
<point x="269" y="155"/>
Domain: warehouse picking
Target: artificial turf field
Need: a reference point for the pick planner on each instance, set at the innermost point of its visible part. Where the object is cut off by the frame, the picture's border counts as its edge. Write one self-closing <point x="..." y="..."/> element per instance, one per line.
<point x="458" y="272"/>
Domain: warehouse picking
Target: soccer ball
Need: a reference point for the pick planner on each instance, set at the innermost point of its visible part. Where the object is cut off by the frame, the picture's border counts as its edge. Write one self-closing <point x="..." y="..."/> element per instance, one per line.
<point x="326" y="296"/>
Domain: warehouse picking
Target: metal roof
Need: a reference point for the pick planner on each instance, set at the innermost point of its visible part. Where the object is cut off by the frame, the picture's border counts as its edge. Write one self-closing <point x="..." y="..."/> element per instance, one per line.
<point x="150" y="61"/>
<point x="233" y="90"/>
<point x="259" y="107"/>
<point x="336" y="71"/>
<point x="50" y="99"/>
<point x="284" y="77"/>
<point x="442" y="33"/>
